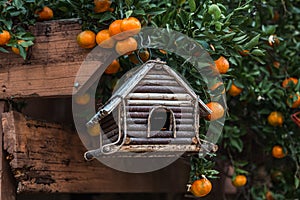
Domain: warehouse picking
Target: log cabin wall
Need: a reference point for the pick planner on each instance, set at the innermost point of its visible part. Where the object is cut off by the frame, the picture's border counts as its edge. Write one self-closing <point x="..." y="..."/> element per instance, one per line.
<point x="158" y="87"/>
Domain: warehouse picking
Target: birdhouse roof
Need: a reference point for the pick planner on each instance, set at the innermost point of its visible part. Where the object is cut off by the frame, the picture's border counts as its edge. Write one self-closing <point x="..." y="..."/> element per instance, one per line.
<point x="134" y="77"/>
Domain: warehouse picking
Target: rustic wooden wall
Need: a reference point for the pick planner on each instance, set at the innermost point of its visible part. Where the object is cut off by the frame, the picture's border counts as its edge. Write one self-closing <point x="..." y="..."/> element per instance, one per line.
<point x="51" y="66"/>
<point x="48" y="157"/>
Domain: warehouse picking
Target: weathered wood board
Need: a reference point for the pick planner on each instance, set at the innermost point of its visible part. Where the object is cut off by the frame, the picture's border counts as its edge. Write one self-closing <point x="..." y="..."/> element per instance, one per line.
<point x="7" y="186"/>
<point x="49" y="158"/>
<point x="52" y="63"/>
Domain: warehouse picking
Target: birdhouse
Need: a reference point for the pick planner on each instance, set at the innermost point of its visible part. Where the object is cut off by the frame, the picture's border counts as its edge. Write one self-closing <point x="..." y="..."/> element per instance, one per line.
<point x="154" y="110"/>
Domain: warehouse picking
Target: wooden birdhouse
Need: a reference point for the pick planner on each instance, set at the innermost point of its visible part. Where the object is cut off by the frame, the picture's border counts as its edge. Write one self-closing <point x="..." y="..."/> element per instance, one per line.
<point x="154" y="110"/>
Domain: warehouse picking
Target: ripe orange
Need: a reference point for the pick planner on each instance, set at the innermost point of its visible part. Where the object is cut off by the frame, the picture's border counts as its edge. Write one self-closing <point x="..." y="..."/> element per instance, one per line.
<point x="16" y="50"/>
<point x="286" y="82"/>
<point x="86" y="39"/>
<point x="4" y="37"/>
<point x="277" y="152"/>
<point x="276" y="64"/>
<point x="144" y="56"/>
<point x="126" y="46"/>
<point x="104" y="40"/>
<point x="115" y="30"/>
<point x="83" y="99"/>
<point x="234" y="90"/>
<point x="269" y="196"/>
<point x="163" y="51"/>
<point x="45" y="13"/>
<point x="131" y="25"/>
<point x="217" y="87"/>
<point x="295" y="104"/>
<point x="201" y="187"/>
<point x="244" y="52"/>
<point x="94" y="130"/>
<point x="239" y="180"/>
<point x="102" y="6"/>
<point x="275" y="118"/>
<point x="222" y="65"/>
<point x="217" y="111"/>
<point x="113" y="67"/>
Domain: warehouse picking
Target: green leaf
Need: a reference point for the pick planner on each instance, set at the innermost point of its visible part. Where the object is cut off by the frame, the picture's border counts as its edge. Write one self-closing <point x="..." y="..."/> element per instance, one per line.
<point x="3" y="50"/>
<point x="237" y="144"/>
<point x="257" y="52"/>
<point x="128" y="13"/>
<point x="269" y="30"/>
<point x="252" y="43"/>
<point x="129" y="2"/>
<point x="192" y="5"/>
<point x="297" y="182"/>
<point x="22" y="52"/>
<point x="156" y="11"/>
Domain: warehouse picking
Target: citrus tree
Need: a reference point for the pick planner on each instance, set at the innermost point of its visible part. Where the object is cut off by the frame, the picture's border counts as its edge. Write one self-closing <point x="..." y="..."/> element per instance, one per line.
<point x="255" y="45"/>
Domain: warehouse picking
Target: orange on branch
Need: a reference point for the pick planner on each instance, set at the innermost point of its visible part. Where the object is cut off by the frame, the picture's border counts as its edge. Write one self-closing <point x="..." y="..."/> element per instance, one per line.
<point x="222" y="65"/>
<point x="113" y="68"/>
<point x="201" y="187"/>
<point x="275" y="118"/>
<point x="17" y="50"/>
<point x="131" y="25"/>
<point x="239" y="180"/>
<point x="217" y="111"/>
<point x="44" y="14"/>
<point x="126" y="46"/>
<point x="104" y="39"/>
<point x="115" y="30"/>
<point x="86" y="39"/>
<point x="286" y="82"/>
<point x="102" y="6"/>
<point x="234" y="90"/>
<point x="277" y="152"/>
<point x="4" y="37"/>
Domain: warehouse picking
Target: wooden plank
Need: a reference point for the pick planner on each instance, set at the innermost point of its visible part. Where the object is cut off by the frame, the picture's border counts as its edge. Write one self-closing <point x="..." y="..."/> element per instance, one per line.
<point x="7" y="184"/>
<point x="49" y="158"/>
<point x="52" y="64"/>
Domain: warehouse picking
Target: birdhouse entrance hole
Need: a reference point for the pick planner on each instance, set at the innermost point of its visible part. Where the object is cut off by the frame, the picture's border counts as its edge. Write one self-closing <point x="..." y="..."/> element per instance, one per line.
<point x="161" y="120"/>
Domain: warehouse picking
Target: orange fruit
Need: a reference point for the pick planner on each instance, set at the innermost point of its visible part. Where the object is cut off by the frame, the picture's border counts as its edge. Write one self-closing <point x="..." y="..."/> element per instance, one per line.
<point x="45" y="13"/>
<point x="86" y="39"/>
<point x="275" y="118"/>
<point x="217" y="87"/>
<point x="94" y="130"/>
<point x="131" y="25"/>
<point x="104" y="40"/>
<point x="163" y="51"/>
<point x="102" y="6"/>
<point x="217" y="111"/>
<point x="4" y="37"/>
<point x="83" y="99"/>
<point x="16" y="50"/>
<point x="269" y="196"/>
<point x="276" y="64"/>
<point x="126" y="46"/>
<point x="113" y="67"/>
<point x="286" y="81"/>
<point x="295" y="104"/>
<point x="277" y="152"/>
<point x="244" y="53"/>
<point x="234" y="90"/>
<point x="239" y="180"/>
<point x="222" y="65"/>
<point x="144" y="56"/>
<point x="201" y="187"/>
<point x="115" y="30"/>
